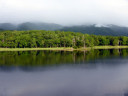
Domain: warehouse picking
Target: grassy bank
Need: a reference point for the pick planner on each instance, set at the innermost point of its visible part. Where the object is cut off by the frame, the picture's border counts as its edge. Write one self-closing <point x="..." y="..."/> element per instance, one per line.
<point x="32" y="49"/>
<point x="63" y="48"/>
<point x="109" y="47"/>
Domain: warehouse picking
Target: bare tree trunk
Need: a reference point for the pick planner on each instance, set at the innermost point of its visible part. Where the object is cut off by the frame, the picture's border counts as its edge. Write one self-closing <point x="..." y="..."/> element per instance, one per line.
<point x="84" y="44"/>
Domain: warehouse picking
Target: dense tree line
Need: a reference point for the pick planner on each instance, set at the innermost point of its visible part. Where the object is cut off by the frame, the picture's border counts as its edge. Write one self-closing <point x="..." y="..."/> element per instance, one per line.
<point x="41" y="38"/>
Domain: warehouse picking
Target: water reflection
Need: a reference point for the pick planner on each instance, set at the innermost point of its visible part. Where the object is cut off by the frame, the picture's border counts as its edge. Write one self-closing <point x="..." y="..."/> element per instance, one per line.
<point x="54" y="58"/>
<point x="60" y="73"/>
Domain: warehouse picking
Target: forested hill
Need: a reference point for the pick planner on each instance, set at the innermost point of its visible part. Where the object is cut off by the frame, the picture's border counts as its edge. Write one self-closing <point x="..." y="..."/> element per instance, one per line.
<point x="38" y="26"/>
<point x="7" y="26"/>
<point x="30" y="26"/>
<point x="45" y="39"/>
<point x="111" y="30"/>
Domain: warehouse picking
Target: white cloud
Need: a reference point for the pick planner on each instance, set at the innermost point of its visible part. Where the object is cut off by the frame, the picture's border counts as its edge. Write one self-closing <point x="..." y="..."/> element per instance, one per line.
<point x="65" y="11"/>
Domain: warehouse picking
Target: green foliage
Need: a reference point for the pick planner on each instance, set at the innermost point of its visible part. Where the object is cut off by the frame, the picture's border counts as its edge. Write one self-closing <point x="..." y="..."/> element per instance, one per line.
<point x="123" y="40"/>
<point x="44" y="39"/>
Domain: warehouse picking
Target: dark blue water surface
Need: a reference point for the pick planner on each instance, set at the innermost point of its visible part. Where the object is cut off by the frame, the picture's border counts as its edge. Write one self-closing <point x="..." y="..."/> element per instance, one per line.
<point x="61" y="73"/>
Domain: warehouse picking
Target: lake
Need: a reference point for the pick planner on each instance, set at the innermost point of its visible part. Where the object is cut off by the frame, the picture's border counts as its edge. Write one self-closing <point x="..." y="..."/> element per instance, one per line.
<point x="64" y="73"/>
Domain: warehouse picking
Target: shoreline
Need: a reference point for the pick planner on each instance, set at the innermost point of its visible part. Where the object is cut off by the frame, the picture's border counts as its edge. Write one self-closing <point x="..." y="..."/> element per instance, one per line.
<point x="63" y="48"/>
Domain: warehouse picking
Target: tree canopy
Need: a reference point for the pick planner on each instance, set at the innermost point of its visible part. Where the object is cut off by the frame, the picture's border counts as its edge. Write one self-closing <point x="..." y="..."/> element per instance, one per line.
<point x="44" y="39"/>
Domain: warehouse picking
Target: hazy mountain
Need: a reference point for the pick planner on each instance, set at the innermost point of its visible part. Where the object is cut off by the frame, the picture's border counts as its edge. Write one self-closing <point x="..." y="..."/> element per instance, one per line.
<point x="102" y="30"/>
<point x="7" y="26"/>
<point x="30" y="26"/>
<point x="119" y="29"/>
<point x="38" y="26"/>
<point x="113" y="30"/>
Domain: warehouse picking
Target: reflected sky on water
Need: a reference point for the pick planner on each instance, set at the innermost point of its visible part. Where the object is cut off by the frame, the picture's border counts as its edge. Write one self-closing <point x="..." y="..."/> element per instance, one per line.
<point x="56" y="73"/>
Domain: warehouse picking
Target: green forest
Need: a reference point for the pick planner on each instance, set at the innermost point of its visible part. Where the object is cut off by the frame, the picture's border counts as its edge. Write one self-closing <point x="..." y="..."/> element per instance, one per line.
<point x="46" y="39"/>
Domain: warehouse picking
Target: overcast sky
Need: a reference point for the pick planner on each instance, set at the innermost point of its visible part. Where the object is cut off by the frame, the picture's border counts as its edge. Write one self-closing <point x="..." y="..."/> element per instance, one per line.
<point x="65" y="11"/>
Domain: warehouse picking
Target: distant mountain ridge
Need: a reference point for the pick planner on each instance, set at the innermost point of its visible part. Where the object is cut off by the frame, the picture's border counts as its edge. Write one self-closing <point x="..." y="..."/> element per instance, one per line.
<point x="112" y="30"/>
<point x="38" y="26"/>
<point x="7" y="26"/>
<point x="30" y="26"/>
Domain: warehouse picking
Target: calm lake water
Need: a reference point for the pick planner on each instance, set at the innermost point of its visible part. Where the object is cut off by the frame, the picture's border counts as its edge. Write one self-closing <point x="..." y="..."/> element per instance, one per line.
<point x="60" y="73"/>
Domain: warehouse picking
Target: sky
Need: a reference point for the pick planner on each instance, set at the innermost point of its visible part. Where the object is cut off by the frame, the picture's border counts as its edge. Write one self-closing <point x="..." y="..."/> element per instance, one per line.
<point x="65" y="12"/>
